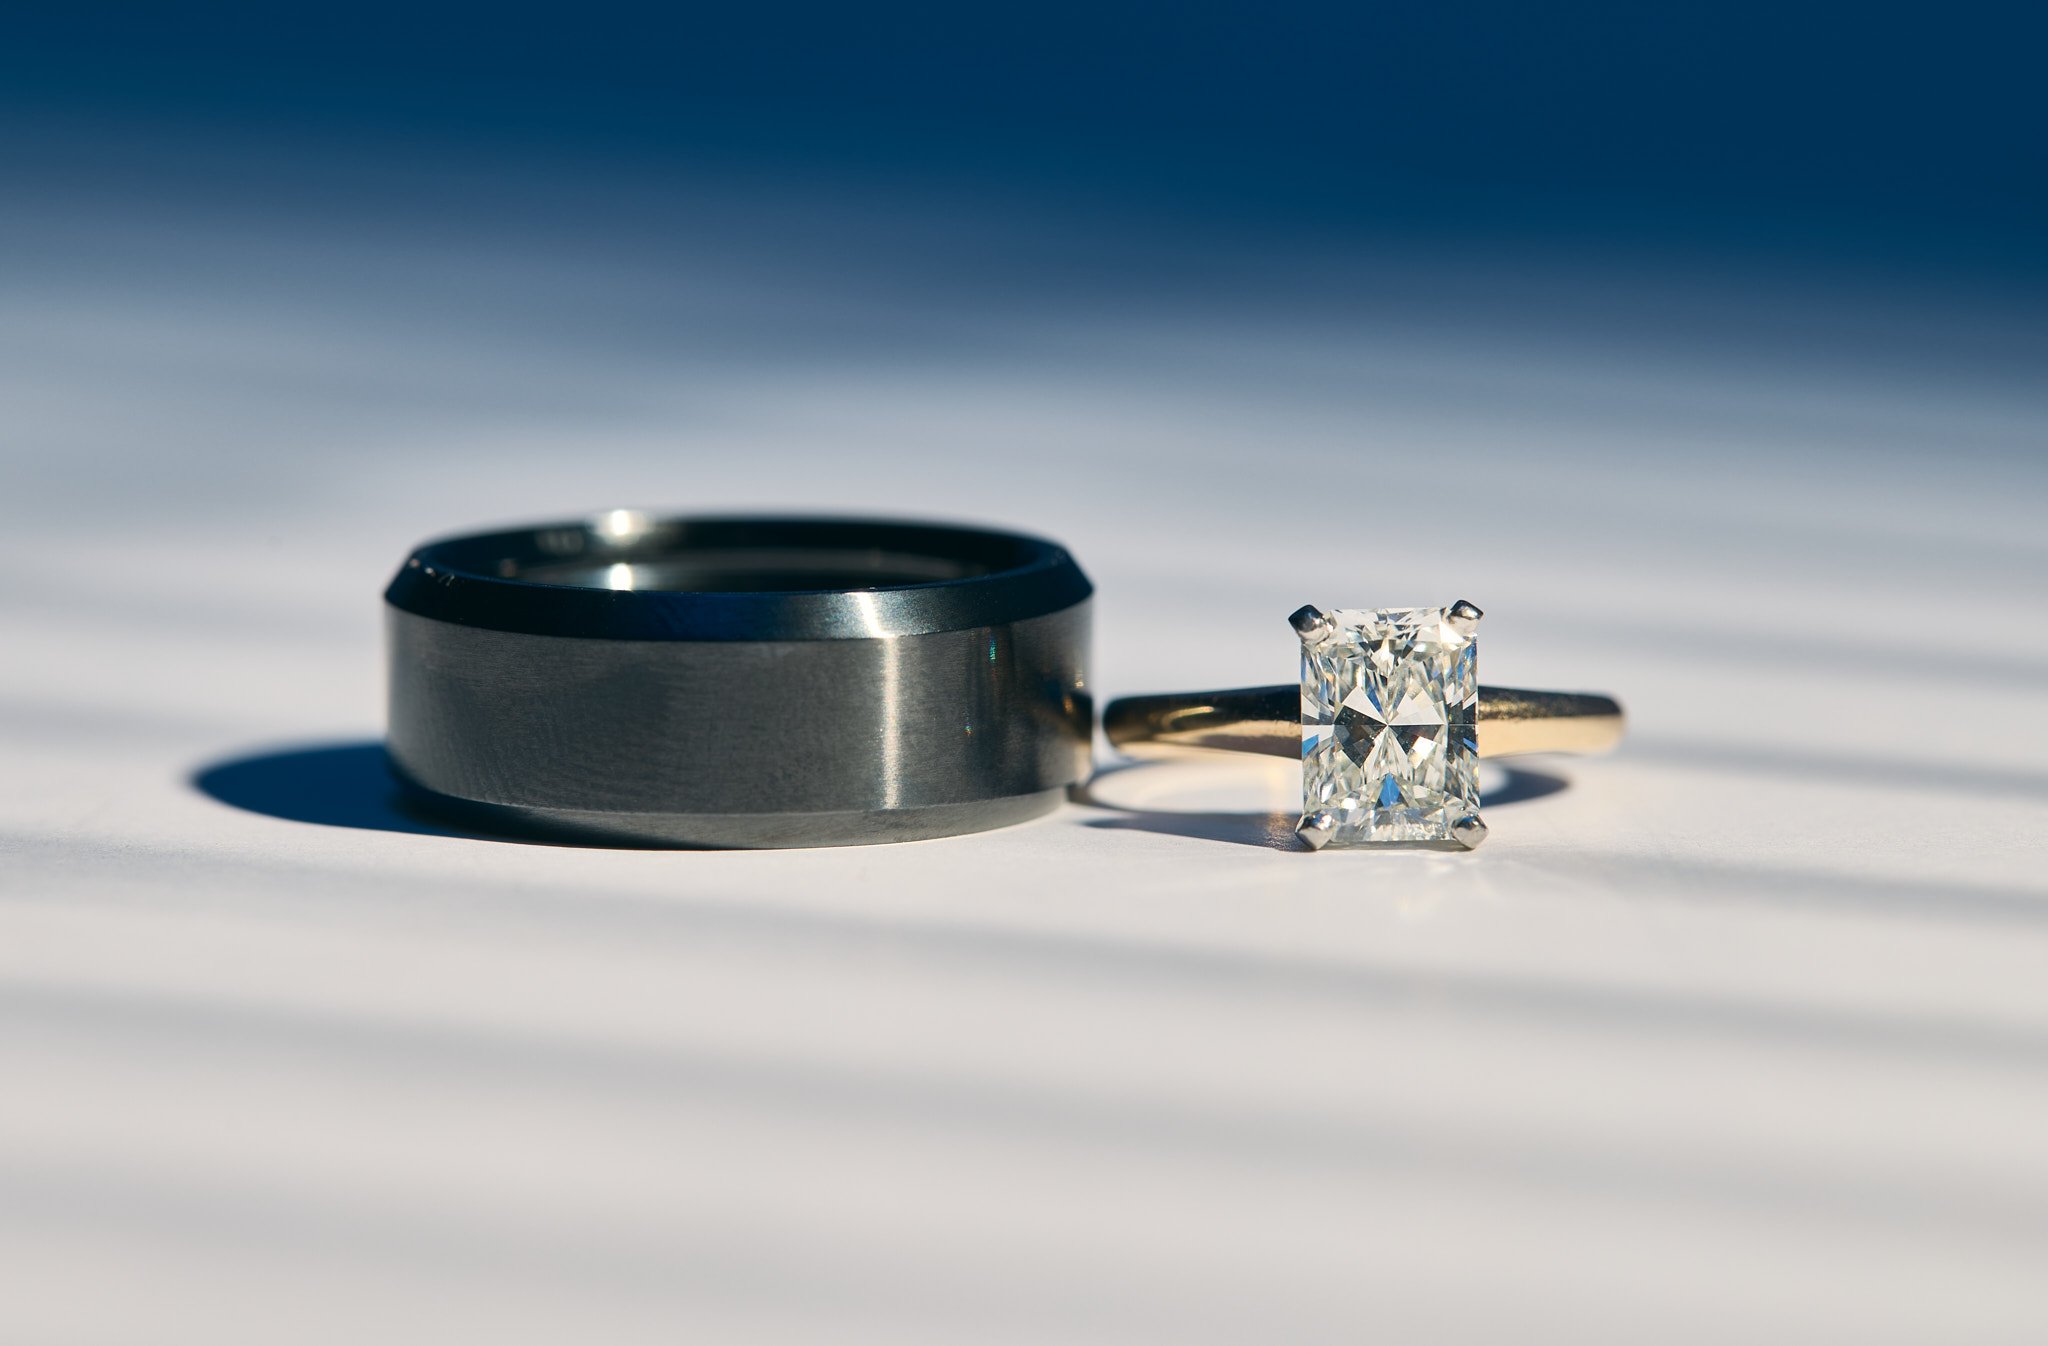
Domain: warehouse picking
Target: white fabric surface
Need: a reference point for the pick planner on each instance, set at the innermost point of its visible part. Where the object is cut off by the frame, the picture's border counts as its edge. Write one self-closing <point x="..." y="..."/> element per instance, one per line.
<point x="1743" y="1036"/>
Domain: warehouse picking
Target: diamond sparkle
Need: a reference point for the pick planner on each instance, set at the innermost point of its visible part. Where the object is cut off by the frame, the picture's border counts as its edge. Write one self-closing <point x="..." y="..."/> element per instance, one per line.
<point x="1389" y="749"/>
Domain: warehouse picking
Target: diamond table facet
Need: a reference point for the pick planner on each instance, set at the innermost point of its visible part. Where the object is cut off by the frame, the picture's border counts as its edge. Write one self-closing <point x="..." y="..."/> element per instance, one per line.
<point x="1388" y="746"/>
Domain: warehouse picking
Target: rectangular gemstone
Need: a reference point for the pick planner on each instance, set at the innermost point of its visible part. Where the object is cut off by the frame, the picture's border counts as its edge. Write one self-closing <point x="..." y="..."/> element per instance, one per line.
<point x="1388" y="743"/>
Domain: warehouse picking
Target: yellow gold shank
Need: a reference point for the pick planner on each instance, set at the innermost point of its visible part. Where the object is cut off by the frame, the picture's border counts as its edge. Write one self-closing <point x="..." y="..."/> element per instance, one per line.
<point x="1267" y="720"/>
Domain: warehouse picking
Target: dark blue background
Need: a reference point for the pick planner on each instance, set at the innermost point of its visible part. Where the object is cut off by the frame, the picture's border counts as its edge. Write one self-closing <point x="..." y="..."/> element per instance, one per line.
<point x="1879" y="132"/>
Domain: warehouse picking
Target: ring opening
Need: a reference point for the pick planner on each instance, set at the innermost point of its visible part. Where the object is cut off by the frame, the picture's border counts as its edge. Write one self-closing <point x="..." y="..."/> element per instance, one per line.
<point x="745" y="570"/>
<point x="629" y="575"/>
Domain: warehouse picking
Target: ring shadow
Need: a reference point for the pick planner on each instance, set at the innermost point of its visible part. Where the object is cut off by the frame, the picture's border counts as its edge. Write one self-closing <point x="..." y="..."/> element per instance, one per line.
<point x="351" y="784"/>
<point x="1275" y="831"/>
<point x="335" y="785"/>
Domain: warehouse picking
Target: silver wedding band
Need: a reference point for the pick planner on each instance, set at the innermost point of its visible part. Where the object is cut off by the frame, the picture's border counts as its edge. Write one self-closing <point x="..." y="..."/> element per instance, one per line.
<point x="739" y="682"/>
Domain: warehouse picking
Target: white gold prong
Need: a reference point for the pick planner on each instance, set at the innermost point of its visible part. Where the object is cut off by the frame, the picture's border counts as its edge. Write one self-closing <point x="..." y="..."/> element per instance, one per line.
<point x="1311" y="624"/>
<point x="1469" y="832"/>
<point x="1315" y="829"/>
<point x="1464" y="617"/>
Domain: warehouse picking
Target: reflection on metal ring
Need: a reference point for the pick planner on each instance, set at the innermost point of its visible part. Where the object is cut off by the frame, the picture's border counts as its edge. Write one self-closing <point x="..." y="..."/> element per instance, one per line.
<point x="739" y="682"/>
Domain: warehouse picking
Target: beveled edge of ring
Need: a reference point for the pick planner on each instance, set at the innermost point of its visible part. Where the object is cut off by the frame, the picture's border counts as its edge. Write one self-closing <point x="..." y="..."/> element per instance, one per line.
<point x="725" y="831"/>
<point x="458" y="579"/>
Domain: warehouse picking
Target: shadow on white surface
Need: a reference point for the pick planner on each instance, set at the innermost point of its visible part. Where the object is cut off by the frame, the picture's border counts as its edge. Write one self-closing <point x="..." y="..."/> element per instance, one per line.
<point x="349" y="784"/>
<point x="334" y="784"/>
<point x="1179" y="798"/>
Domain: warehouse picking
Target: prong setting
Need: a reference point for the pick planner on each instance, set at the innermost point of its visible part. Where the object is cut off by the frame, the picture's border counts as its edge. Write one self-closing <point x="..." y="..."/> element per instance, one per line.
<point x="1463" y="617"/>
<point x="1316" y="829"/>
<point x="1388" y="702"/>
<point x="1469" y="832"/>
<point x="1312" y="624"/>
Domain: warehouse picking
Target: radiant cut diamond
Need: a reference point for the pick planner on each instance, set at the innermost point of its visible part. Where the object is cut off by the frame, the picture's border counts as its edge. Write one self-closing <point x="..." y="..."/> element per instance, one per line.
<point x="1388" y="746"/>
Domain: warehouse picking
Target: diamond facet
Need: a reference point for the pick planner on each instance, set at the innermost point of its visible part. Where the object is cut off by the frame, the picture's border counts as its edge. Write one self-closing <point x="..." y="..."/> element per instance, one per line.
<point x="1388" y="744"/>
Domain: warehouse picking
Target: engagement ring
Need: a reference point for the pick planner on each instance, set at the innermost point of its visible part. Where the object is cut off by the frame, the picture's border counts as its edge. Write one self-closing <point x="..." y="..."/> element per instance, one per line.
<point x="1389" y="720"/>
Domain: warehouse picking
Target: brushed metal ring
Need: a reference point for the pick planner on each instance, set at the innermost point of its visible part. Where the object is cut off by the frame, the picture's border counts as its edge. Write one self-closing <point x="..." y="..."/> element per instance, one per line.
<point x="739" y="682"/>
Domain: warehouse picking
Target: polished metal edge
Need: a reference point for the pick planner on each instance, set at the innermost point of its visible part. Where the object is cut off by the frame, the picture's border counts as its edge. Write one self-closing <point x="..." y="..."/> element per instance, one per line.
<point x="481" y="580"/>
<point x="728" y="831"/>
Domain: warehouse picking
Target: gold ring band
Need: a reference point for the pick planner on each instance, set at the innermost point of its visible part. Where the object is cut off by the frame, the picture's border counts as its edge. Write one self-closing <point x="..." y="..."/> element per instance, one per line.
<point x="1267" y="720"/>
<point x="1388" y="724"/>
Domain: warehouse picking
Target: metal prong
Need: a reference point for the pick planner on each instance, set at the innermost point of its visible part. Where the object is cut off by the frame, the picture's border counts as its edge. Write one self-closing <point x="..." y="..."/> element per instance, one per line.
<point x="1469" y="832"/>
<point x="1315" y="829"/>
<point x="1464" y="617"/>
<point x="1311" y="624"/>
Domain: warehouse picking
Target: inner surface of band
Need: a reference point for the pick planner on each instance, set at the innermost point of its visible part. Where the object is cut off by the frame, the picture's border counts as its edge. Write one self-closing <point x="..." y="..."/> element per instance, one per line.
<point x="1267" y="720"/>
<point x="628" y="575"/>
<point x="748" y="570"/>
<point x="626" y="549"/>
